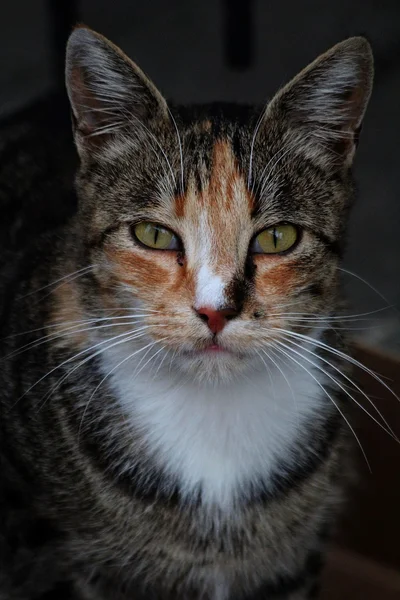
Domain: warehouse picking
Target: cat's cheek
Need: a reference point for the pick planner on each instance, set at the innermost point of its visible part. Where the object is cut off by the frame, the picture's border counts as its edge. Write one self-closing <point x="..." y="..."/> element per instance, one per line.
<point x="160" y="284"/>
<point x="67" y="308"/>
<point x="275" y="279"/>
<point x="146" y="275"/>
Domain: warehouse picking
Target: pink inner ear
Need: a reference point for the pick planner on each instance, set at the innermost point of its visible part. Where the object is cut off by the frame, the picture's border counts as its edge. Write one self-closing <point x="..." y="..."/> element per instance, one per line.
<point x="87" y="108"/>
<point x="355" y="104"/>
<point x="351" y="123"/>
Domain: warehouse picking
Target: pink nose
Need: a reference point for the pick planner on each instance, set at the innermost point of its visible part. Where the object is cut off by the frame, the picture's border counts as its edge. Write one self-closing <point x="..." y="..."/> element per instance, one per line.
<point x="216" y="319"/>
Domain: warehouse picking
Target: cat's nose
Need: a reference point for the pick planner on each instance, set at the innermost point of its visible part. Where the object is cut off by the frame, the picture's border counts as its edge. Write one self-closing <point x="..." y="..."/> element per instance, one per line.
<point x="216" y="319"/>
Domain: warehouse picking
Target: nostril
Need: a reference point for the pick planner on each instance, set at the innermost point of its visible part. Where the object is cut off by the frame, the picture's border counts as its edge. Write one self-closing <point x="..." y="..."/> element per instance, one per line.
<point x="203" y="316"/>
<point x="216" y="319"/>
<point x="230" y="314"/>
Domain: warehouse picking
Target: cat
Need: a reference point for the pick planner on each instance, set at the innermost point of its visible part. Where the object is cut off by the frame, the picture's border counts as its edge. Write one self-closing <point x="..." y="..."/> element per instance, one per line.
<point x="173" y="388"/>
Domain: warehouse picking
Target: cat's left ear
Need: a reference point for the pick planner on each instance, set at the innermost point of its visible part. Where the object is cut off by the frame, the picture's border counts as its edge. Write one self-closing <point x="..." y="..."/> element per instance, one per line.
<point x="107" y="91"/>
<point x="327" y="101"/>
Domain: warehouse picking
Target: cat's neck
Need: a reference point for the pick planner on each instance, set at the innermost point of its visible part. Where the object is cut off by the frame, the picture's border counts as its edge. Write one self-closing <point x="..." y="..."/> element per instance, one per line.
<point x="223" y="439"/>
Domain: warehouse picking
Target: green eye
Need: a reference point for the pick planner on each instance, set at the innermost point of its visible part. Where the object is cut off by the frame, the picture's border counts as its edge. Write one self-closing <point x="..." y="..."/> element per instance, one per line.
<point x="155" y="236"/>
<point x="275" y="239"/>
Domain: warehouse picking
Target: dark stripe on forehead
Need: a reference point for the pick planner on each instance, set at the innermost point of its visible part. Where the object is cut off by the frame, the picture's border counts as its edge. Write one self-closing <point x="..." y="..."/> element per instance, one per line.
<point x="205" y="124"/>
<point x="239" y="150"/>
<point x="198" y="152"/>
<point x="198" y="180"/>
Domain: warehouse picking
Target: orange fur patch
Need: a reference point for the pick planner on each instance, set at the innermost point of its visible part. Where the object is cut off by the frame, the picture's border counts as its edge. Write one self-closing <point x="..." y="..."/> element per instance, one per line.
<point x="225" y="179"/>
<point x="225" y="189"/>
<point x="68" y="311"/>
<point x="280" y="277"/>
<point x="134" y="269"/>
<point x="180" y="206"/>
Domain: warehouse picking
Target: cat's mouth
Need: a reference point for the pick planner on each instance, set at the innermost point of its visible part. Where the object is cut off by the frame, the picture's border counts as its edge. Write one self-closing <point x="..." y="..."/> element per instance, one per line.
<point x="205" y="348"/>
<point x="214" y="348"/>
<point x="210" y="349"/>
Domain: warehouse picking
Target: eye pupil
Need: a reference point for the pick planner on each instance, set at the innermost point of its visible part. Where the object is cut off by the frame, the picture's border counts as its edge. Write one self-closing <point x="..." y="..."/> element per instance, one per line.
<point x="275" y="240"/>
<point x="155" y="236"/>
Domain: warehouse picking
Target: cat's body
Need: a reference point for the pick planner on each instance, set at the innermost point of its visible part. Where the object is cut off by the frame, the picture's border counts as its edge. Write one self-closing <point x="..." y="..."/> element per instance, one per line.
<point x="147" y="452"/>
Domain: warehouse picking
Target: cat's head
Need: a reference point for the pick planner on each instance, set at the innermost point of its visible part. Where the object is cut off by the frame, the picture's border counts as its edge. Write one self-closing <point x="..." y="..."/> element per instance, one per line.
<point x="222" y="224"/>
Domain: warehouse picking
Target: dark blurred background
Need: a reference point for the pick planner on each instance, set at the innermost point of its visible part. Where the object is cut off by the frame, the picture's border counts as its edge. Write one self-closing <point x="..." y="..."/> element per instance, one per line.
<point x="204" y="50"/>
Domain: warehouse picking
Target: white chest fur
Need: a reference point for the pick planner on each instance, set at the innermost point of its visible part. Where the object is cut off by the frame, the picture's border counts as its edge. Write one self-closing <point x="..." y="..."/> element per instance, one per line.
<point x="219" y="438"/>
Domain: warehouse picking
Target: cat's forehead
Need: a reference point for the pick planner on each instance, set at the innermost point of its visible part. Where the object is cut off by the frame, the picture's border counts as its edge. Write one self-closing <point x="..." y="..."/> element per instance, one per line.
<point x="203" y="128"/>
<point x="216" y="183"/>
<point x="239" y="175"/>
<point x="215" y="211"/>
<point x="216" y="146"/>
<point x="215" y="172"/>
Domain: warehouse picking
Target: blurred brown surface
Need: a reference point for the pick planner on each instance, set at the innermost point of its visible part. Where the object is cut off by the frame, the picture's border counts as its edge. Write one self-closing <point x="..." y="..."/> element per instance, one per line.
<point x="372" y="521"/>
<point x="365" y="564"/>
<point x="352" y="577"/>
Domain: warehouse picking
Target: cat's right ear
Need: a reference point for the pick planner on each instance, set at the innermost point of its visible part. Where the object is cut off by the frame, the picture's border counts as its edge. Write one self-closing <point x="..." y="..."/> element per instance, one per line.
<point x="109" y="94"/>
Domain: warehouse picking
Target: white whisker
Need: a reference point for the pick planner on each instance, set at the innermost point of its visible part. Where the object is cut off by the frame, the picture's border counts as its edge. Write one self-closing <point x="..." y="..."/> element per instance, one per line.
<point x="180" y="148"/>
<point x="68" y="332"/>
<point x="64" y="279"/>
<point x="389" y="431"/>
<point x="137" y="373"/>
<point x="161" y="362"/>
<point x="330" y="398"/>
<point x="153" y="137"/>
<point x="150" y="345"/>
<point x="71" y="358"/>
<point x="87" y="359"/>
<point x="343" y="355"/>
<point x="60" y="322"/>
<point x="353" y="317"/>
<point x="257" y="127"/>
<point x="281" y="154"/>
<point x="287" y="381"/>
<point x="368" y="285"/>
<point x="172" y="358"/>
<point x="271" y="379"/>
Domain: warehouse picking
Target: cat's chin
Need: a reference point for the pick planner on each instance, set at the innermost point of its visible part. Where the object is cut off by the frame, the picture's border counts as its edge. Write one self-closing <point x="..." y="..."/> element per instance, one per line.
<point x="213" y="364"/>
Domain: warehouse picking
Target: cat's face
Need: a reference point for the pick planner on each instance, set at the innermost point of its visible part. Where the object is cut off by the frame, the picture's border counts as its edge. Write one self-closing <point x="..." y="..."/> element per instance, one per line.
<point x="219" y="230"/>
